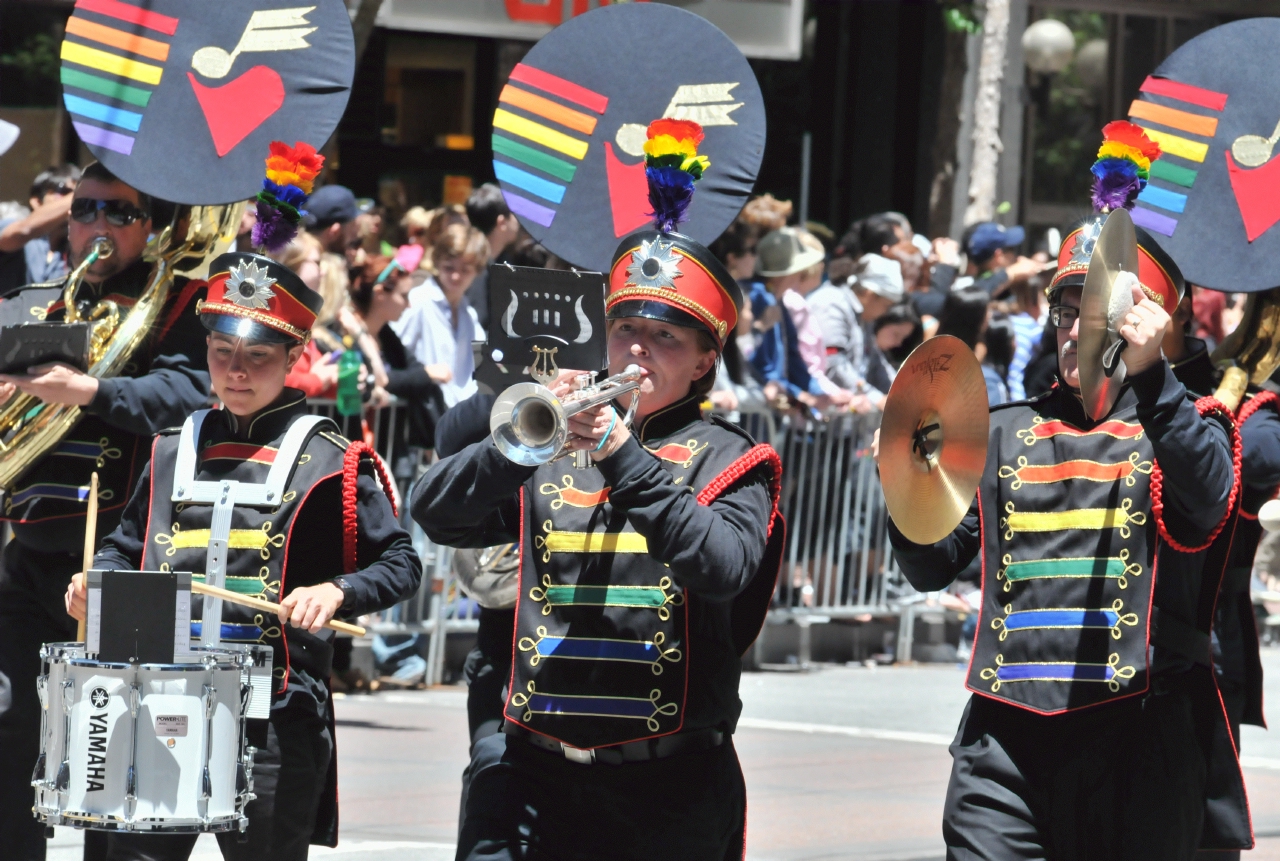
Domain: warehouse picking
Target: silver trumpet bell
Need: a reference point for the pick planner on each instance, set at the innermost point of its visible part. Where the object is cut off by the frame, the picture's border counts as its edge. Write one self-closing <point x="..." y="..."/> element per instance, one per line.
<point x="530" y="425"/>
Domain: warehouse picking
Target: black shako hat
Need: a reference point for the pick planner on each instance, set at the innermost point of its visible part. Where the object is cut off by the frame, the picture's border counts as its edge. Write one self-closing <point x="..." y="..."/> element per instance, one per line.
<point x="254" y="297"/>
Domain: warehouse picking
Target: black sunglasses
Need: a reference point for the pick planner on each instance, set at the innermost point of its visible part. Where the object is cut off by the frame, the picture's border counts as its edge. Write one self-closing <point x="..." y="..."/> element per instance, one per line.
<point x="119" y="213"/>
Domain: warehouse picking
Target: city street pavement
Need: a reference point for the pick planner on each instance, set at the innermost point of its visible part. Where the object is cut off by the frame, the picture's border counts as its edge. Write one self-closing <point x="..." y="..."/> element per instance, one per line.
<point x="840" y="763"/>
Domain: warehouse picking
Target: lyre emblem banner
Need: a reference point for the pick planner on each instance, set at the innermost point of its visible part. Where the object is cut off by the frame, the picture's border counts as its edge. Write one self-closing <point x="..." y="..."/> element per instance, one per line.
<point x="180" y="98"/>
<point x="569" y="129"/>
<point x="1213" y="201"/>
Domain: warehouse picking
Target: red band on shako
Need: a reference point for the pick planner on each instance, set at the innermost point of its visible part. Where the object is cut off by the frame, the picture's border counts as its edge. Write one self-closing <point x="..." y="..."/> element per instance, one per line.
<point x="283" y="312"/>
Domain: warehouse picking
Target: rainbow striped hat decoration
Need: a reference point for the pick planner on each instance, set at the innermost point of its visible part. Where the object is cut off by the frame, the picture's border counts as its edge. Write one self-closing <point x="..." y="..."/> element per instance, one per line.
<point x="1125" y="163"/>
<point x="1123" y="166"/>
<point x="291" y="173"/>
<point x="672" y="165"/>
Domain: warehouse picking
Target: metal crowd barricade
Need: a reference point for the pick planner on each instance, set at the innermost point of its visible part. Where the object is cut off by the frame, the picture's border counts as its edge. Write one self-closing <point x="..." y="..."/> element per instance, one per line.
<point x="836" y="564"/>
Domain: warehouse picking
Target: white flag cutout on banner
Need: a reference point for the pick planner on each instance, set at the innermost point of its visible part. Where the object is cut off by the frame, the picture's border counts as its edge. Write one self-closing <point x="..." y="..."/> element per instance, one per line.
<point x="697" y="102"/>
<point x="267" y="30"/>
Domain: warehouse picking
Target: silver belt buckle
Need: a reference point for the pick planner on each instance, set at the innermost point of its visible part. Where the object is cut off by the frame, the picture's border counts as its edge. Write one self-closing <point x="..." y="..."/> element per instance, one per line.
<point x="577" y="754"/>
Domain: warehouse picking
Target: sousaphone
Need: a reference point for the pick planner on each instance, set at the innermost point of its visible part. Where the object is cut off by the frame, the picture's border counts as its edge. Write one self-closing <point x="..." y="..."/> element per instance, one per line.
<point x="933" y="439"/>
<point x="1107" y="298"/>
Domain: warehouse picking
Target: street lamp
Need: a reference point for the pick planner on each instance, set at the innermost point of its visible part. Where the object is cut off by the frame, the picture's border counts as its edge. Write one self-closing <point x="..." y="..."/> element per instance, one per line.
<point x="1048" y="46"/>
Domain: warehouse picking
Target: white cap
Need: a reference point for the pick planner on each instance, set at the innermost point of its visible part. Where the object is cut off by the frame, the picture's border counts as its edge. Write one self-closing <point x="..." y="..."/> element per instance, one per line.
<point x="881" y="276"/>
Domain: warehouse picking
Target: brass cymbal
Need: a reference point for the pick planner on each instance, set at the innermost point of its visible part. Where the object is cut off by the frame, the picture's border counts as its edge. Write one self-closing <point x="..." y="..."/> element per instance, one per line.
<point x="933" y="439"/>
<point x="1113" y="271"/>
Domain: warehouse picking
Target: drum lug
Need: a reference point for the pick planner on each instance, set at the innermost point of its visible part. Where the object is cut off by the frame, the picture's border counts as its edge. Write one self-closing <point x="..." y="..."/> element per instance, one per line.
<point x="206" y="784"/>
<point x="42" y="688"/>
<point x="37" y="775"/>
<point x="210" y="692"/>
<point x="131" y="785"/>
<point x="63" y="782"/>
<point x="134" y="697"/>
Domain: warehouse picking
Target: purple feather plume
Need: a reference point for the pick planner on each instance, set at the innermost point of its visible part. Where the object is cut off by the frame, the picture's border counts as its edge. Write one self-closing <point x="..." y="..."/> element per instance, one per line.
<point x="273" y="231"/>
<point x="1116" y="184"/>
<point x="670" y="192"/>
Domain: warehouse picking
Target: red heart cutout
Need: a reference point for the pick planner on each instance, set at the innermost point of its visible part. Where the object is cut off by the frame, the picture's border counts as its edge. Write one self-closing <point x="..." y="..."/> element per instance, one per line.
<point x="235" y="109"/>
<point x="628" y="193"/>
<point x="1257" y="194"/>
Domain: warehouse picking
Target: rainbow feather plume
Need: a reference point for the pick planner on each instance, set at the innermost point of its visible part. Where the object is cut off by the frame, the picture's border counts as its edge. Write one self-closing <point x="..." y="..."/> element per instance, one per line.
<point x="1123" y="166"/>
<point x="291" y="173"/>
<point x="672" y="165"/>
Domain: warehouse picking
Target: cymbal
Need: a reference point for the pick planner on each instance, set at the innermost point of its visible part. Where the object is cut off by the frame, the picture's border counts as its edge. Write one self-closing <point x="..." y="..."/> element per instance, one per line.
<point x="933" y="439"/>
<point x="1106" y="300"/>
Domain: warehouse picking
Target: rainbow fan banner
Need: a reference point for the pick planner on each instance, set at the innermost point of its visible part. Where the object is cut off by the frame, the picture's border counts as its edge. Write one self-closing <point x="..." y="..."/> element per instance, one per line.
<point x="1213" y="198"/>
<point x="180" y="99"/>
<point x="570" y="126"/>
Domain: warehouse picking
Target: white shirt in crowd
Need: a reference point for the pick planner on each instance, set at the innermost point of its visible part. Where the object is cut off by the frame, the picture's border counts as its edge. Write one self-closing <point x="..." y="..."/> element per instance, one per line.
<point x="427" y="331"/>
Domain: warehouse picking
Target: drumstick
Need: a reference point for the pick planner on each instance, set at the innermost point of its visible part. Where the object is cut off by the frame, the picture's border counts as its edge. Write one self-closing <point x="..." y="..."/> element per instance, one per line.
<point x="90" y="538"/>
<point x="260" y="604"/>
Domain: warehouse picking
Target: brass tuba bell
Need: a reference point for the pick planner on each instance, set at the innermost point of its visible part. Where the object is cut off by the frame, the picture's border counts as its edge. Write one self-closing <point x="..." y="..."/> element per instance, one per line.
<point x="29" y="428"/>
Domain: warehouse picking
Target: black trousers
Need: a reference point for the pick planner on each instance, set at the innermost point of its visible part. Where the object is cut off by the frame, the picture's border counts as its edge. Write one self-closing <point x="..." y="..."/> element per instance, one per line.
<point x="529" y="805"/>
<point x="1118" y="782"/>
<point x="31" y="614"/>
<point x="487" y="671"/>
<point x="288" y="777"/>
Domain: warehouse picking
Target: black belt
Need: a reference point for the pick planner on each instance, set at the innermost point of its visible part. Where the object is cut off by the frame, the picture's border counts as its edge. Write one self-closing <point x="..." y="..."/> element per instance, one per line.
<point x="1170" y="632"/>
<point x="634" y="751"/>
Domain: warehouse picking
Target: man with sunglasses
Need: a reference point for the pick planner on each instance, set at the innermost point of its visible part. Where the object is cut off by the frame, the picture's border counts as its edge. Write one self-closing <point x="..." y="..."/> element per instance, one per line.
<point x="34" y="248"/>
<point x="1092" y="730"/>
<point x="166" y="380"/>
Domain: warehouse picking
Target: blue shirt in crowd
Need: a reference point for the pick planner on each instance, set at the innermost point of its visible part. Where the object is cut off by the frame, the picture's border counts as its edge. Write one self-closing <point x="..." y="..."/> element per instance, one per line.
<point x="1027" y="332"/>
<point x="34" y="264"/>
<point x="777" y="355"/>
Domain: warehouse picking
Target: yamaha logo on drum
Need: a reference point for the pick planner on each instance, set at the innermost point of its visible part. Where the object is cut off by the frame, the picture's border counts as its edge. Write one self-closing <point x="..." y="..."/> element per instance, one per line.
<point x="96" y="772"/>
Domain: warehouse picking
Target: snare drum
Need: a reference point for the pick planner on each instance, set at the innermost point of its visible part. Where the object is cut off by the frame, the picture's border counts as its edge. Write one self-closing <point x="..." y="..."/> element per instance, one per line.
<point x="148" y="747"/>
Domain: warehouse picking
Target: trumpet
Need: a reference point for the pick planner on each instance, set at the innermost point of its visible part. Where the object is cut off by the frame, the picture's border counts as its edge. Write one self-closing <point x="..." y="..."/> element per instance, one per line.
<point x="530" y="425"/>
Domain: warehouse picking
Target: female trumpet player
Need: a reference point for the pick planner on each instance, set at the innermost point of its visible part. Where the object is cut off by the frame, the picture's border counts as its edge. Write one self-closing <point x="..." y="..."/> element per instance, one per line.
<point x="642" y="580"/>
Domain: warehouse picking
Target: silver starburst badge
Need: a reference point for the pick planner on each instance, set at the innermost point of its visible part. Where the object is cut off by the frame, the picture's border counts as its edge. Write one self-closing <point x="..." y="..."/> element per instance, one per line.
<point x="656" y="264"/>
<point x="249" y="285"/>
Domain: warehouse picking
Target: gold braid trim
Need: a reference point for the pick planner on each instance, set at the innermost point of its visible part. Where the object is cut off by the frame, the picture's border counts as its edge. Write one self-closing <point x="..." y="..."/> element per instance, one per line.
<point x="668" y="296"/>
<point x="254" y="314"/>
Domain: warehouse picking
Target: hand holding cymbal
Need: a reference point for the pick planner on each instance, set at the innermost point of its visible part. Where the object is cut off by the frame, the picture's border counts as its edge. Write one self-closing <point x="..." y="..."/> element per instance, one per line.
<point x="933" y="439"/>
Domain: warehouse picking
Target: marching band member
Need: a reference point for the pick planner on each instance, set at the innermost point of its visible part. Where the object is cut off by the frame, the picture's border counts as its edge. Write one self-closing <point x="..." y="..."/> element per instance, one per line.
<point x="325" y="543"/>
<point x="642" y="578"/>
<point x="1092" y="733"/>
<point x="166" y="380"/>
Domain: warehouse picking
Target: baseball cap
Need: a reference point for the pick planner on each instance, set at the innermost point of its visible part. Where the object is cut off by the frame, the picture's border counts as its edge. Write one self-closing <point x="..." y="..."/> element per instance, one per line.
<point x="881" y="276"/>
<point x="331" y="203"/>
<point x="781" y="253"/>
<point x="989" y="237"/>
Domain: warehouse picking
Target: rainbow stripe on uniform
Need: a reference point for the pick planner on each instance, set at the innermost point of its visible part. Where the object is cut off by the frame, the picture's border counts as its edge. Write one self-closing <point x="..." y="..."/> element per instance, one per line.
<point x="536" y="143"/>
<point x="1184" y="135"/>
<point x="110" y="69"/>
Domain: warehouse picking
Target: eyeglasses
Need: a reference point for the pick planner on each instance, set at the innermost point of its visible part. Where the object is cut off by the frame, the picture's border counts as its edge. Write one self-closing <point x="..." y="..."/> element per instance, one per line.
<point x="60" y="188"/>
<point x="119" y="213"/>
<point x="1063" y="316"/>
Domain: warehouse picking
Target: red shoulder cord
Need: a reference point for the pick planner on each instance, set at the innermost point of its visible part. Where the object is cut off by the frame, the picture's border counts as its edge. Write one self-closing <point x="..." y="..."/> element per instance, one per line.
<point x="1205" y="406"/>
<point x="350" y="474"/>
<point x="188" y="293"/>
<point x="1247" y="409"/>
<point x="757" y="455"/>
